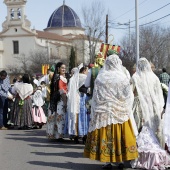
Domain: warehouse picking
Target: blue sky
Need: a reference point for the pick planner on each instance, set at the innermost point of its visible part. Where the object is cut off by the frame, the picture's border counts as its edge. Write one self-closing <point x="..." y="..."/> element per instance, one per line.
<point x="39" y="12"/>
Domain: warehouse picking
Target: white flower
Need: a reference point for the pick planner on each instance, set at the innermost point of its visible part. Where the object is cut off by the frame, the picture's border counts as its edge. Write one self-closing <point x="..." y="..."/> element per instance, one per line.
<point x="164" y="87"/>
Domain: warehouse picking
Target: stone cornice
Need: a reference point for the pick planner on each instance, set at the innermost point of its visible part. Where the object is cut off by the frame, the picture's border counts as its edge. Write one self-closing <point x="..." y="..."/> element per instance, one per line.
<point x="16" y="2"/>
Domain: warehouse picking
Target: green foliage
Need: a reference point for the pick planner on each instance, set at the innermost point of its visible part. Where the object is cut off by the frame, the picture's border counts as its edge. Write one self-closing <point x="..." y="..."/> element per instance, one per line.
<point x="72" y="62"/>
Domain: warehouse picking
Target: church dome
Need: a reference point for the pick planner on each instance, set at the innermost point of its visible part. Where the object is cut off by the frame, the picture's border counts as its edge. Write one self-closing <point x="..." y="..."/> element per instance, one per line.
<point x="64" y="16"/>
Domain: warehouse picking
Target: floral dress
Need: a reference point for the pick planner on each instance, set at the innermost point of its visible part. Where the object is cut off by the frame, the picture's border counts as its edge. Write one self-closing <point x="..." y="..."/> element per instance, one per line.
<point x="56" y="120"/>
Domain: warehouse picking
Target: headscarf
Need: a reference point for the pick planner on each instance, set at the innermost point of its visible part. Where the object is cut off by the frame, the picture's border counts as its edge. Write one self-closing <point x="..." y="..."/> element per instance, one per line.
<point x="150" y="94"/>
<point x="112" y="96"/>
<point x="73" y="101"/>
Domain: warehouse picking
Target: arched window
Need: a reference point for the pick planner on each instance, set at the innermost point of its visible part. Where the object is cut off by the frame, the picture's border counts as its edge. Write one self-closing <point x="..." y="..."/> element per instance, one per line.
<point x="19" y="13"/>
<point x="12" y="13"/>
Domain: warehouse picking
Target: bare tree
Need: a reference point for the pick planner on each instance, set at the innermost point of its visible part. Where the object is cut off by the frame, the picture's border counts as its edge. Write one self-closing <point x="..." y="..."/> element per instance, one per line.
<point x="94" y="22"/>
<point x="127" y="53"/>
<point x="22" y="66"/>
<point x="33" y="62"/>
<point x="154" y="41"/>
<point x="38" y="58"/>
<point x="154" y="45"/>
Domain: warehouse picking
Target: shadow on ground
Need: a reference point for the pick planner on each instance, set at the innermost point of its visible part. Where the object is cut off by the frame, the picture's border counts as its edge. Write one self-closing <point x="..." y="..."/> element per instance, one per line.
<point x="64" y="154"/>
<point x="73" y="166"/>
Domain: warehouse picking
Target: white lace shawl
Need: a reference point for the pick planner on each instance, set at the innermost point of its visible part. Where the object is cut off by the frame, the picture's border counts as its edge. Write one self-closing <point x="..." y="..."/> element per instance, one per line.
<point x="150" y="94"/>
<point x="37" y="98"/>
<point x="112" y="96"/>
<point x="73" y="100"/>
<point x="166" y="125"/>
<point x="23" y="89"/>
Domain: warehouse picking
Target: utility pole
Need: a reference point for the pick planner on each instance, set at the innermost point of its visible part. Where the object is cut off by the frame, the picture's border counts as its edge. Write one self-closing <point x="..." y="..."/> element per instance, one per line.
<point x="137" y="32"/>
<point x="106" y="41"/>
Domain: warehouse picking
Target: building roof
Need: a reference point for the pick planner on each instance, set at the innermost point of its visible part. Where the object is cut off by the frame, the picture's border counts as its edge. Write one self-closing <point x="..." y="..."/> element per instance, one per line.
<point x="84" y="37"/>
<point x="70" y="34"/>
<point x="80" y="36"/>
<point x="51" y="36"/>
<point x="64" y="16"/>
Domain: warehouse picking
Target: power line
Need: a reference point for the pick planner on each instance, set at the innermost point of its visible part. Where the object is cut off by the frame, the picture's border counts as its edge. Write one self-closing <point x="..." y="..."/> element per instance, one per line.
<point x="155" y="20"/>
<point x="129" y="10"/>
<point x="148" y="22"/>
<point x="152" y="12"/>
<point x="121" y="28"/>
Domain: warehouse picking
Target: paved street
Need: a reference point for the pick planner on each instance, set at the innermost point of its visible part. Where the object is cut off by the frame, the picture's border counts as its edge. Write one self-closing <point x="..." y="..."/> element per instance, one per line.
<point x="30" y="150"/>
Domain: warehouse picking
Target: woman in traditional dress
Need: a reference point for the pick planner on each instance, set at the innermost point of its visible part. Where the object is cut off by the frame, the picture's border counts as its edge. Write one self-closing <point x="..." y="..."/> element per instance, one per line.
<point x="147" y="109"/>
<point x="84" y="117"/>
<point x="38" y="112"/>
<point x="77" y="118"/>
<point x="73" y="105"/>
<point x="111" y="135"/>
<point x="149" y="99"/>
<point x="22" y="114"/>
<point x="58" y="103"/>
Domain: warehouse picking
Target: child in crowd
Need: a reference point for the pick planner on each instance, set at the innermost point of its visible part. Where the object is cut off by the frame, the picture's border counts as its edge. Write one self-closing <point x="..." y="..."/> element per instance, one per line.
<point x="38" y="113"/>
<point x="46" y="96"/>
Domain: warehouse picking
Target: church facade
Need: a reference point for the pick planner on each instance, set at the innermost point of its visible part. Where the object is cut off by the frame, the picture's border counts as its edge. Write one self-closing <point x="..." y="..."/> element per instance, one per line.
<point x="64" y="31"/>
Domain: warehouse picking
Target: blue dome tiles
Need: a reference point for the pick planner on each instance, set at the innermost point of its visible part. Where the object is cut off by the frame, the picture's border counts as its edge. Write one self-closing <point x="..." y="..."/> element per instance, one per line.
<point x="64" y="16"/>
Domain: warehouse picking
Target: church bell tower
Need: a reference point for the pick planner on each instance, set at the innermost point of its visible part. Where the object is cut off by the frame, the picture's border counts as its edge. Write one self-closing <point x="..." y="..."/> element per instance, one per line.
<point x="16" y="14"/>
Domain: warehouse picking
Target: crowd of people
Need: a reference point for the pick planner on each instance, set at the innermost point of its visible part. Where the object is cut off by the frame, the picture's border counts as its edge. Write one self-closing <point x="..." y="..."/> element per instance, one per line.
<point x="24" y="103"/>
<point x="118" y="117"/>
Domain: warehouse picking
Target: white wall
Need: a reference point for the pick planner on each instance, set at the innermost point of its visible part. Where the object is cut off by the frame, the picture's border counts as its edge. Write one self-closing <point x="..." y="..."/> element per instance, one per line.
<point x="26" y="44"/>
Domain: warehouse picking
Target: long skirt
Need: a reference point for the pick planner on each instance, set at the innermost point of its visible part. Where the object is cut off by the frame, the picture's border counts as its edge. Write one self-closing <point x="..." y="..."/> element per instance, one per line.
<point x="39" y="115"/>
<point x="22" y="113"/>
<point x="56" y="122"/>
<point x="83" y="121"/>
<point x="114" y="143"/>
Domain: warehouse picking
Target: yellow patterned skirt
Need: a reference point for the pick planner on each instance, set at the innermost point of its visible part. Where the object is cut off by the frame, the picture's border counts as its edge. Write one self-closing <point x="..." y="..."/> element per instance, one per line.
<point x="114" y="143"/>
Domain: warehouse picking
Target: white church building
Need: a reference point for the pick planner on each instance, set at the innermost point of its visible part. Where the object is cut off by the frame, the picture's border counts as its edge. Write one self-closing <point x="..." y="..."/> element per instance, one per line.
<point x="64" y="30"/>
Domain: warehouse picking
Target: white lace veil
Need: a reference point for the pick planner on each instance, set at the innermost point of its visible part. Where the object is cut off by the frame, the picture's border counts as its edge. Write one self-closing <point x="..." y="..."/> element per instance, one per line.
<point x="150" y="94"/>
<point x="37" y="98"/>
<point x="72" y="102"/>
<point x="112" y="96"/>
